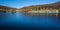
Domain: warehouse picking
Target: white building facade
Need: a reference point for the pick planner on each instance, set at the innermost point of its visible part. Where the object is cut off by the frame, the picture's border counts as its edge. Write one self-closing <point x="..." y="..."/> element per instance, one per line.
<point x="44" y="11"/>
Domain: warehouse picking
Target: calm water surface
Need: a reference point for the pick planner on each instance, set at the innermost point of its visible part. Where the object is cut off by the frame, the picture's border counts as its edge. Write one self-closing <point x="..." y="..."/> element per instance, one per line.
<point x="20" y="21"/>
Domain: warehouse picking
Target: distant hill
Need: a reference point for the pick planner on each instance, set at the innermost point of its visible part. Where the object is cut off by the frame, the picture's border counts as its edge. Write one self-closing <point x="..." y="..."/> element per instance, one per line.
<point x="6" y="7"/>
<point x="38" y="7"/>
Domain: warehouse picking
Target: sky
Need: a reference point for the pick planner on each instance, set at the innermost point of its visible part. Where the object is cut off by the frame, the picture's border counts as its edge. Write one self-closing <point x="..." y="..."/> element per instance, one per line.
<point x="23" y="3"/>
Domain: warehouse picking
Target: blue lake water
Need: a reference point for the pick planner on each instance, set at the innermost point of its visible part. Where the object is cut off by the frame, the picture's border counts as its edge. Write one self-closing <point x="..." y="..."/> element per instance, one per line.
<point x="20" y="21"/>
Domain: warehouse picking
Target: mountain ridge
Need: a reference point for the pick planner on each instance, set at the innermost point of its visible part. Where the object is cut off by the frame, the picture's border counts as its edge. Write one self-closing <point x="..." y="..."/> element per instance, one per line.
<point x="55" y="5"/>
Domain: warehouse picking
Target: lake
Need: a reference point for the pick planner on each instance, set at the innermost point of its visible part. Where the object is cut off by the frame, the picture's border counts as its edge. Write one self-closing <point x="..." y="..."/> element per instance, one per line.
<point x="21" y="21"/>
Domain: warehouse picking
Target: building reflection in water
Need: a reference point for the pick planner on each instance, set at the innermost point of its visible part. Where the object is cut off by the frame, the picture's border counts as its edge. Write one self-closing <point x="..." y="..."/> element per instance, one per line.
<point x="59" y="16"/>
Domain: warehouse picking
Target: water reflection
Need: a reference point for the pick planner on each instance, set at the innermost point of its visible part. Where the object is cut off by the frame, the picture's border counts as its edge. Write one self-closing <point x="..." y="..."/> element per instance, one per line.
<point x="23" y="21"/>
